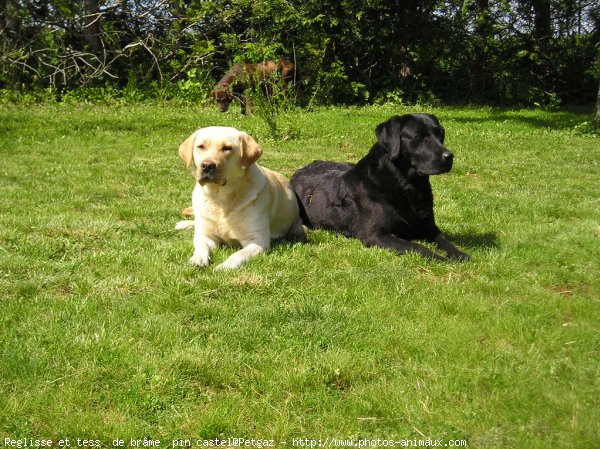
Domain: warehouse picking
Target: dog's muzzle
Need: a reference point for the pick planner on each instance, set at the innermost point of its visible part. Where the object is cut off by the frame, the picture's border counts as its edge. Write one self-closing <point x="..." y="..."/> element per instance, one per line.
<point x="208" y="168"/>
<point x="441" y="164"/>
<point x="208" y="172"/>
<point x="448" y="157"/>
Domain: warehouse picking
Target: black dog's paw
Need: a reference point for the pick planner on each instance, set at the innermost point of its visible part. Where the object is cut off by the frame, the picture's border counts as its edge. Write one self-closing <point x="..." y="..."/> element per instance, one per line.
<point x="459" y="256"/>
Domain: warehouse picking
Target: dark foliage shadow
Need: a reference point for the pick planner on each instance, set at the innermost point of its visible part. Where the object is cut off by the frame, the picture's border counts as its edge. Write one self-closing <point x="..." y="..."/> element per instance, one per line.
<point x="579" y="118"/>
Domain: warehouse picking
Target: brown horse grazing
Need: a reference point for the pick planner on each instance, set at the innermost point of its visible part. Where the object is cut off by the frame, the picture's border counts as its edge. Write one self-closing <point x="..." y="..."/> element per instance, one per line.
<point x="243" y="76"/>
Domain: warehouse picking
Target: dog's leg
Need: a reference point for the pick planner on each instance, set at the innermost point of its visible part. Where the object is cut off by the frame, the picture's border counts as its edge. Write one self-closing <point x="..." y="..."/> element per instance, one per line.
<point x="202" y="247"/>
<point x="250" y="249"/>
<point x="400" y="246"/>
<point x="451" y="251"/>
<point x="297" y="232"/>
<point x="184" y="224"/>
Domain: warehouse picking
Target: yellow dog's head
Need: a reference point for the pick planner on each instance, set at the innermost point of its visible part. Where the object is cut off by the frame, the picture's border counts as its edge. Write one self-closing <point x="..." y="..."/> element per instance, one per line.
<point x="219" y="154"/>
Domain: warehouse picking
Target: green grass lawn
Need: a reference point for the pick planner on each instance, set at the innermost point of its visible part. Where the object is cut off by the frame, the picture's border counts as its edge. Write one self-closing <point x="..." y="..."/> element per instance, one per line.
<point x="106" y="332"/>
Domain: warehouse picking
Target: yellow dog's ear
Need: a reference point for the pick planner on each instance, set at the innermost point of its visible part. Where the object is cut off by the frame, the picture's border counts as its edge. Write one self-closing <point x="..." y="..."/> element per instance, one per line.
<point x="250" y="150"/>
<point x="186" y="150"/>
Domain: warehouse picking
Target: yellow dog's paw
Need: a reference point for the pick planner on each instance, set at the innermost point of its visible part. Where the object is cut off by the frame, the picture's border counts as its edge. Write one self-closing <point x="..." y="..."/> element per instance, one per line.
<point x="200" y="260"/>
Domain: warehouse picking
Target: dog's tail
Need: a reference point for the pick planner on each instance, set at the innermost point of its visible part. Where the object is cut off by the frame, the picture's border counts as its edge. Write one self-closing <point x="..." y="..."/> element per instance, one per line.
<point x="187" y="212"/>
<point x="184" y="224"/>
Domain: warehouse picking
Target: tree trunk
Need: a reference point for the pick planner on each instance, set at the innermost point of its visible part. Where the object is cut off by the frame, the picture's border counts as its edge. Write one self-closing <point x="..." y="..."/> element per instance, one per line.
<point x="542" y="24"/>
<point x="483" y="32"/>
<point x="598" y="110"/>
<point x="91" y="25"/>
<point x="8" y="18"/>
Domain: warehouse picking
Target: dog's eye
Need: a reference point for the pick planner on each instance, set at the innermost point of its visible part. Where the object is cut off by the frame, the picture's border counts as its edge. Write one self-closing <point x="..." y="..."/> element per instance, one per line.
<point x="201" y="146"/>
<point x="226" y="148"/>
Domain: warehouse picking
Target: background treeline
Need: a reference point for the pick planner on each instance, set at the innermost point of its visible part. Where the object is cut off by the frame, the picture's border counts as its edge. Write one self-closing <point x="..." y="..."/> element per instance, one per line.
<point x="348" y="51"/>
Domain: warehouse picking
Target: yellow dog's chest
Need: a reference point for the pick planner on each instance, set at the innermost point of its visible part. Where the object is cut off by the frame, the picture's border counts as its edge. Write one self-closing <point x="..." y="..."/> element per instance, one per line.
<point x="218" y="223"/>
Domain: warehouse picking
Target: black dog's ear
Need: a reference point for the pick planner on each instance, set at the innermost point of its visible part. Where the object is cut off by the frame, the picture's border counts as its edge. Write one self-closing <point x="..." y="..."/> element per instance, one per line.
<point x="389" y="134"/>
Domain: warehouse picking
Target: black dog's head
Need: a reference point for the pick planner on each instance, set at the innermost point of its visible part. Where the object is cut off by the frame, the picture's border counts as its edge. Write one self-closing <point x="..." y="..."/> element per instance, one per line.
<point x="417" y="141"/>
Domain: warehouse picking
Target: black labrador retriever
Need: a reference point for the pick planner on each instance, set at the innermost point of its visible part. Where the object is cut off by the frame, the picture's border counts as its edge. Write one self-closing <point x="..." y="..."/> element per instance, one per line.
<point x="385" y="199"/>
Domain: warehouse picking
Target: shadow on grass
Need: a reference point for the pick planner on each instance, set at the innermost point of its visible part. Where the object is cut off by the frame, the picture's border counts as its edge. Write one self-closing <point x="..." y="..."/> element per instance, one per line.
<point x="578" y="118"/>
<point x="473" y="239"/>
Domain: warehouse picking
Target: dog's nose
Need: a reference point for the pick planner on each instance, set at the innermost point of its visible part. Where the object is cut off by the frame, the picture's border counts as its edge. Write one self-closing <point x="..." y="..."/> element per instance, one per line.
<point x="447" y="156"/>
<point x="208" y="167"/>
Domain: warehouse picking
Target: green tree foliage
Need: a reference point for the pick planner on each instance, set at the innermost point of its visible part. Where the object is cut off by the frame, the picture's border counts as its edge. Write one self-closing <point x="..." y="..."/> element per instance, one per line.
<point x="346" y="51"/>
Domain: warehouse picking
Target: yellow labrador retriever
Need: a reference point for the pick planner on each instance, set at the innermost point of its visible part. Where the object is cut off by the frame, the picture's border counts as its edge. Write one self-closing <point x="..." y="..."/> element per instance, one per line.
<point x="235" y="200"/>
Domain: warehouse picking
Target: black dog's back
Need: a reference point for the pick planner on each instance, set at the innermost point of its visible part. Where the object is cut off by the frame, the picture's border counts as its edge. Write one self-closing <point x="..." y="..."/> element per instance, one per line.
<point x="318" y="188"/>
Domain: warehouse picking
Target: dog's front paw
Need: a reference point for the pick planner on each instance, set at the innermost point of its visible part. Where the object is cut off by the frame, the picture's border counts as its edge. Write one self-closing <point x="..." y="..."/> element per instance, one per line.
<point x="459" y="256"/>
<point x="234" y="261"/>
<point x="184" y="224"/>
<point x="200" y="260"/>
<point x="227" y="265"/>
<point x="239" y="258"/>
